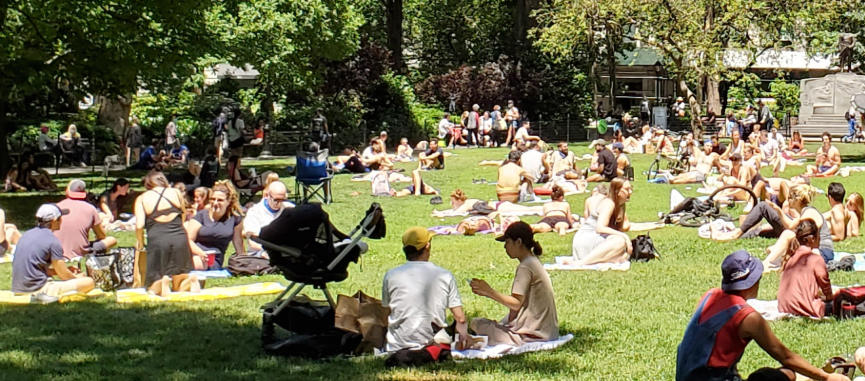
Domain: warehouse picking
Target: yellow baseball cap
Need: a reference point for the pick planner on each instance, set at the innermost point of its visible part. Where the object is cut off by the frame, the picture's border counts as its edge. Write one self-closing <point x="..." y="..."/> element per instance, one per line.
<point x="416" y="237"/>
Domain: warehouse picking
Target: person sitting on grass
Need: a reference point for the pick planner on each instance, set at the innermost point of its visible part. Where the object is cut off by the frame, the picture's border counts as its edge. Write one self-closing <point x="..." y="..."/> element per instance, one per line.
<point x="417" y="187"/>
<point x="74" y="234"/>
<point x="108" y="205"/>
<point x="743" y="175"/>
<point x="262" y="214"/>
<point x="771" y="153"/>
<point x="737" y="145"/>
<point x="10" y="235"/>
<point x="777" y="219"/>
<point x="797" y="146"/>
<point x="605" y="168"/>
<point x="375" y="158"/>
<point x="39" y="257"/>
<point x="242" y="179"/>
<point x="404" y="151"/>
<point x="179" y="153"/>
<point x="557" y="214"/>
<point x="804" y="277"/>
<point x="535" y="163"/>
<point x="513" y="183"/>
<point x="350" y="161"/>
<point x="622" y="160"/>
<point x="36" y="178"/>
<point x="838" y="216"/>
<point x="828" y="159"/>
<point x="531" y="304"/>
<point x="603" y="237"/>
<point x="724" y="324"/>
<point x="855" y="206"/>
<point x="433" y="157"/>
<point x="418" y="293"/>
<point x="565" y="163"/>
<point x="211" y="230"/>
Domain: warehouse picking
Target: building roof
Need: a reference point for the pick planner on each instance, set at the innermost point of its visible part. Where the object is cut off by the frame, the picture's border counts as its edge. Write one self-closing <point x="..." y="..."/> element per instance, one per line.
<point x="224" y="70"/>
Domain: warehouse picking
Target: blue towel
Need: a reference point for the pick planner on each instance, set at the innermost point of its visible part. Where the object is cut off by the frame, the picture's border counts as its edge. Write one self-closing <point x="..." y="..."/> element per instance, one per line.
<point x="212" y="274"/>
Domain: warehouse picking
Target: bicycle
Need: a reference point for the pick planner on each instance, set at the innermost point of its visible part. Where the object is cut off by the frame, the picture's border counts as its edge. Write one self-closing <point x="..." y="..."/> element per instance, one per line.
<point x="717" y="206"/>
<point x="673" y="165"/>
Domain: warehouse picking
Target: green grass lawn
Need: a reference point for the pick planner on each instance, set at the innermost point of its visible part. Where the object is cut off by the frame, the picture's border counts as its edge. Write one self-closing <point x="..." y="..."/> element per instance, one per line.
<point x="627" y="325"/>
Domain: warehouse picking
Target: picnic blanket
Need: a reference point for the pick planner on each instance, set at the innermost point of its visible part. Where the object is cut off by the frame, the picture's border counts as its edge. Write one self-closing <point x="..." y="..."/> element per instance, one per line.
<point x="498" y="351"/>
<point x="562" y="265"/>
<point x="451" y="230"/>
<point x="860" y="259"/>
<point x="769" y="309"/>
<point x="211" y="274"/>
<point x="138" y="295"/>
<point x="10" y="298"/>
<point x="646" y="226"/>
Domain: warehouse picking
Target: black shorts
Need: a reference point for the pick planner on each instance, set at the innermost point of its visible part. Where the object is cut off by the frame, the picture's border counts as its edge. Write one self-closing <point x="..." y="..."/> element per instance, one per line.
<point x="237" y="143"/>
<point x="553" y="220"/>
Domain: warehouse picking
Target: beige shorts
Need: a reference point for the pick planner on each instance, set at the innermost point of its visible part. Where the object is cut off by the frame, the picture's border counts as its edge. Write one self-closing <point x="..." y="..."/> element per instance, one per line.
<point x="497" y="333"/>
<point x="59" y="288"/>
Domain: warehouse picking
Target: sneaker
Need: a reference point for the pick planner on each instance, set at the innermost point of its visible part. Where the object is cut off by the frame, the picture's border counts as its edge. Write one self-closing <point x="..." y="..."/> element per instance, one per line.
<point x="42" y="298"/>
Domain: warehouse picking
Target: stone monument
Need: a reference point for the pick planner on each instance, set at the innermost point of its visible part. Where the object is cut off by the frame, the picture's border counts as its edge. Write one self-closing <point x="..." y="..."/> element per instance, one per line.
<point x="829" y="95"/>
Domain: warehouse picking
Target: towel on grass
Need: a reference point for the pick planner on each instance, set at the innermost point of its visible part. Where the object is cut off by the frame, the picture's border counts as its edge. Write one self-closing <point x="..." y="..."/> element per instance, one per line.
<point x="10" y="297"/>
<point x="562" y="264"/>
<point x="449" y="230"/>
<point x="498" y="351"/>
<point x="138" y="295"/>
<point x="646" y="226"/>
<point x="769" y="309"/>
<point x="211" y="274"/>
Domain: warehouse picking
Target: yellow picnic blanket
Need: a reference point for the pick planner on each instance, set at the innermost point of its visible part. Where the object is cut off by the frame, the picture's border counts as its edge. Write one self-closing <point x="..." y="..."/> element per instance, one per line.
<point x="138" y="295"/>
<point x="10" y="297"/>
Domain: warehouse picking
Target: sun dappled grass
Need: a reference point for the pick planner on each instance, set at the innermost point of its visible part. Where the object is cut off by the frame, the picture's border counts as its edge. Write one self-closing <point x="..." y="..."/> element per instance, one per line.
<point x="627" y="325"/>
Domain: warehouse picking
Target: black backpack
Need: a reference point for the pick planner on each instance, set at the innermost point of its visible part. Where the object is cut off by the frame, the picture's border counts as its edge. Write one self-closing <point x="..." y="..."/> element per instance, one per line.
<point x="644" y="249"/>
<point x="240" y="265"/>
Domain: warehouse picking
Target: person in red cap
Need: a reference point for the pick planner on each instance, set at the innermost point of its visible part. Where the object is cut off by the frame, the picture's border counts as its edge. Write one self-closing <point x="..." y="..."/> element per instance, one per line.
<point x="531" y="304"/>
<point x="74" y="235"/>
<point x="724" y="324"/>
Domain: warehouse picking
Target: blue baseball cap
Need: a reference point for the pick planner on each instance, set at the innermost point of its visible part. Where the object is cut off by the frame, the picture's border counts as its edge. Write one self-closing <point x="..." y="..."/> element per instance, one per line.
<point x="740" y="271"/>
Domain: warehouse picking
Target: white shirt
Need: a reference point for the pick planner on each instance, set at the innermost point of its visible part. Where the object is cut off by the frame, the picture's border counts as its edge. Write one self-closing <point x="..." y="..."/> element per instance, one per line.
<point x="367" y="153"/>
<point x="170" y="133"/>
<point x="418" y="294"/>
<point x="522" y="134"/>
<point x="779" y="138"/>
<point x="444" y="128"/>
<point x="769" y="148"/>
<point x="532" y="162"/>
<point x="258" y="216"/>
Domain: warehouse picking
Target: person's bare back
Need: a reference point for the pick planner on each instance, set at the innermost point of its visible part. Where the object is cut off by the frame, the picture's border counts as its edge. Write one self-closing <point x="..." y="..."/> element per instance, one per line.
<point x="510" y="176"/>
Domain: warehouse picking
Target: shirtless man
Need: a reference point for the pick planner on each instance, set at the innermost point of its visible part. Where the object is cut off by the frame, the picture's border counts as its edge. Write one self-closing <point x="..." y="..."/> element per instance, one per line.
<point x="513" y="180"/>
<point x="565" y="163"/>
<point x="703" y="162"/>
<point x="828" y="159"/>
<point x="837" y="215"/>
<point x="622" y="160"/>
<point x="777" y="189"/>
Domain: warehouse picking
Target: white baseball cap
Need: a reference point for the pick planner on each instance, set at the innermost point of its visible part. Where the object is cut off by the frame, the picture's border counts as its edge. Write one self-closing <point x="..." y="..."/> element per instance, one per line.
<point x="50" y="212"/>
<point x="596" y="142"/>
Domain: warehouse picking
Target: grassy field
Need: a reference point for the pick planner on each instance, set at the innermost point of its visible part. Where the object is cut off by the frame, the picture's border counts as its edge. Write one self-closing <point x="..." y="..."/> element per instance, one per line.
<point x="627" y="325"/>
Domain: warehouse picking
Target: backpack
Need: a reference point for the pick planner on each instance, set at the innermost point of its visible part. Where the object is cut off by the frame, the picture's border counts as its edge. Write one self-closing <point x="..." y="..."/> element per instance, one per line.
<point x="111" y="270"/>
<point x="850" y="302"/>
<point x="240" y="265"/>
<point x="380" y="184"/>
<point x="644" y="249"/>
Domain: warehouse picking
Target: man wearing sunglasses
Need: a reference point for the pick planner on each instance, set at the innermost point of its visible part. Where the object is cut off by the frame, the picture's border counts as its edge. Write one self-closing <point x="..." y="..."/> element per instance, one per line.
<point x="262" y="214"/>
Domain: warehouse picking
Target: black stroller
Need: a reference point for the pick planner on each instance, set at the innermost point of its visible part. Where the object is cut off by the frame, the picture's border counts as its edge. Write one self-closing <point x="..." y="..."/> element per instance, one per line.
<point x="305" y="247"/>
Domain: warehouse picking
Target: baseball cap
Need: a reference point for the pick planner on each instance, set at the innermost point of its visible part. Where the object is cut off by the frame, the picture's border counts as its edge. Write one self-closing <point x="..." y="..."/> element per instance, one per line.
<point x="384" y="133"/>
<point x="77" y="189"/>
<point x="416" y="237"/>
<point x="598" y="141"/>
<point x="619" y="146"/>
<point x="740" y="271"/>
<point x="50" y="212"/>
<point x="518" y="230"/>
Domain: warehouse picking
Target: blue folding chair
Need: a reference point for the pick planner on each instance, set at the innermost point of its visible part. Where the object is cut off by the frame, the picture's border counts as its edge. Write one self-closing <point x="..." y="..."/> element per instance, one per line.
<point x="313" y="177"/>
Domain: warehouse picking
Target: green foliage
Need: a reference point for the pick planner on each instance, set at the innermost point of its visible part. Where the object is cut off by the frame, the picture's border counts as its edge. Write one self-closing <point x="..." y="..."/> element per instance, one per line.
<point x="786" y="97"/>
<point x="744" y="91"/>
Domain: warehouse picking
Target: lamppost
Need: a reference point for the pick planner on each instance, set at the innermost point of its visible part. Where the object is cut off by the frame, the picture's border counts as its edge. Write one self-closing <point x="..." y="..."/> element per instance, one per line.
<point x="265" y="150"/>
<point x="658" y="68"/>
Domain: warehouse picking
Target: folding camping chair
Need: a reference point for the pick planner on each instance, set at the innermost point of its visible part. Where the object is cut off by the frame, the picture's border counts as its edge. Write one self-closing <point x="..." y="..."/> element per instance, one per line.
<point x="313" y="177"/>
<point x="306" y="254"/>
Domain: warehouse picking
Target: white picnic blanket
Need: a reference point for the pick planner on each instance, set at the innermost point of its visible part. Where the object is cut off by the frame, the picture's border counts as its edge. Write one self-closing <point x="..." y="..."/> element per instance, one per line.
<point x="498" y="351"/>
<point x="563" y="265"/>
<point x="768" y="309"/>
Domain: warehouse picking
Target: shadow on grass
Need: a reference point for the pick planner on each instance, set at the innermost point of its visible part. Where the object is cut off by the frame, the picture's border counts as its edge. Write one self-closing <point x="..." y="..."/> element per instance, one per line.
<point x="102" y="340"/>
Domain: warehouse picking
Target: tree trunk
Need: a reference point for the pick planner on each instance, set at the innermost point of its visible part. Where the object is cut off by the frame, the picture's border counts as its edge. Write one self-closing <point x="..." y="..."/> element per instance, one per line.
<point x="5" y="129"/>
<point x="611" y="66"/>
<point x="523" y="22"/>
<point x="112" y="110"/>
<point x="696" y="126"/>
<point x="713" y="96"/>
<point x="394" y="18"/>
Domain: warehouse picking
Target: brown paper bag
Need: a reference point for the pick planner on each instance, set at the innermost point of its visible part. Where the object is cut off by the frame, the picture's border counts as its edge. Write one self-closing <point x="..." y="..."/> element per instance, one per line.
<point x="363" y="314"/>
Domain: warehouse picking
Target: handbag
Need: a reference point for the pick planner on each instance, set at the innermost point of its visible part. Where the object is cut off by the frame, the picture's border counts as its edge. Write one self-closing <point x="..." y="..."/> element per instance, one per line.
<point x="644" y="249"/>
<point x="111" y="270"/>
<point x="363" y="314"/>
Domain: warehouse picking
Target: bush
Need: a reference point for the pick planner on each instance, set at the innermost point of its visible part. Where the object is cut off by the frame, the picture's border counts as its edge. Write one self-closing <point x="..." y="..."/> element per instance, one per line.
<point x="786" y="97"/>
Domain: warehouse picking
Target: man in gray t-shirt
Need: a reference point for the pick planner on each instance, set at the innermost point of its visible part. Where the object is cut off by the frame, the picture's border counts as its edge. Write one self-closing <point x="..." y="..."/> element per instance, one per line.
<point x="39" y="255"/>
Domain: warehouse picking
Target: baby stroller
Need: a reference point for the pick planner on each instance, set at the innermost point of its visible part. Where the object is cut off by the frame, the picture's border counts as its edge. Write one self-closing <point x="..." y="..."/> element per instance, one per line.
<point x="305" y="247"/>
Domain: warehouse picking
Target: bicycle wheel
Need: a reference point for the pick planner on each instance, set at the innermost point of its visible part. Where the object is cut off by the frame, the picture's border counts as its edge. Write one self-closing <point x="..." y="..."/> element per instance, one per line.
<point x="752" y="198"/>
<point x="653" y="170"/>
<point x="690" y="220"/>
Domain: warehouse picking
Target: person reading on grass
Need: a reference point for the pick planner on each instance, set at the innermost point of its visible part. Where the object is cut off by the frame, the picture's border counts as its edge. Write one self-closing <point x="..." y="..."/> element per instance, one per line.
<point x="724" y="324"/>
<point x="513" y="182"/>
<point x="433" y="157"/>
<point x="211" y="230"/>
<point x="828" y="159"/>
<point x="418" y="293"/>
<point x="603" y="237"/>
<point x="606" y="165"/>
<point x="531" y="304"/>
<point x="159" y="210"/>
<point x="797" y="146"/>
<point x="804" y="277"/>
<point x="39" y="257"/>
<point x="74" y="234"/>
<point x="557" y="214"/>
<point x="838" y="216"/>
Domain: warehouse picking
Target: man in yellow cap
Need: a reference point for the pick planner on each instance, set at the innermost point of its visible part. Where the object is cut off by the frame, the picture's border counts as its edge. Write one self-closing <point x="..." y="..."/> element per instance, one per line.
<point x="418" y="294"/>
